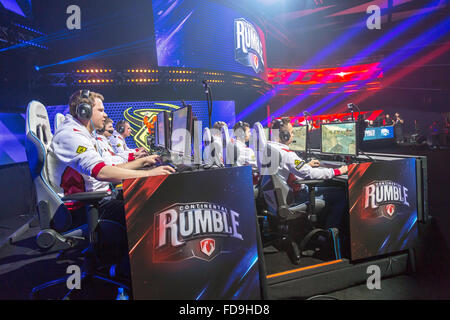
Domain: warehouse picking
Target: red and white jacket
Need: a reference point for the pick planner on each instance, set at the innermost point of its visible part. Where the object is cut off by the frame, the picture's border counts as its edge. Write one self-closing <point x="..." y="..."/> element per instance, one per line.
<point x="108" y="154"/>
<point x="293" y="168"/>
<point x="120" y="147"/>
<point x="73" y="160"/>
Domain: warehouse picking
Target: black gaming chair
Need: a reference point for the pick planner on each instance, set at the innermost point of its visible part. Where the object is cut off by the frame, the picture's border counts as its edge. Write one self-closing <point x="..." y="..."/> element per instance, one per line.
<point x="291" y="226"/>
<point x="55" y="218"/>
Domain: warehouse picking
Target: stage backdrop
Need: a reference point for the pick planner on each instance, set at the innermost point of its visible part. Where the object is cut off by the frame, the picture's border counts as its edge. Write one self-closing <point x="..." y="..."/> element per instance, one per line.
<point x="134" y="113"/>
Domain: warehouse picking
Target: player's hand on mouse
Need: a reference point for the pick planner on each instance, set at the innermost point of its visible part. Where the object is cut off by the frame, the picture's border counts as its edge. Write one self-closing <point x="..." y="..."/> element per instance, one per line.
<point x="314" y="163"/>
<point x="161" y="171"/>
<point x="343" y="169"/>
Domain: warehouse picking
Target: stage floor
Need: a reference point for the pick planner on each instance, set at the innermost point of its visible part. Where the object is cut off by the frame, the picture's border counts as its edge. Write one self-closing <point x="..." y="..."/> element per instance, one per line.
<point x="23" y="266"/>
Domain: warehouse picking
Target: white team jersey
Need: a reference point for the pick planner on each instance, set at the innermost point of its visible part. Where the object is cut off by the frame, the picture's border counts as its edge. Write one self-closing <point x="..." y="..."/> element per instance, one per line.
<point x="118" y="143"/>
<point x="108" y="154"/>
<point x="73" y="160"/>
<point x="246" y="156"/>
<point x="292" y="167"/>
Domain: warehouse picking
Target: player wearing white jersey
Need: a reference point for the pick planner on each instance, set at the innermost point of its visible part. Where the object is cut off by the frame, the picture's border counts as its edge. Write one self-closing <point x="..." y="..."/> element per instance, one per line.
<point x="107" y="150"/>
<point x="76" y="164"/>
<point x="119" y="144"/>
<point x="294" y="169"/>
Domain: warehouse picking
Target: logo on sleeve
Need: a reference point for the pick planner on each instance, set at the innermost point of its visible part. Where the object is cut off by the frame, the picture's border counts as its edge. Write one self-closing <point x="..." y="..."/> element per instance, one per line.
<point x="299" y="164"/>
<point x="81" y="149"/>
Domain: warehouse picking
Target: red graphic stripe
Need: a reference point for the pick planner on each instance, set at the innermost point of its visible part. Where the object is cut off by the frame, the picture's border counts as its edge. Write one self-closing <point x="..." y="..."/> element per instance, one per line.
<point x="96" y="170"/>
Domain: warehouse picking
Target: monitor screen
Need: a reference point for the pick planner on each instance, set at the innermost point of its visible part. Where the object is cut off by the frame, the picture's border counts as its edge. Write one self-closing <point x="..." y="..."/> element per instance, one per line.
<point x="339" y="138"/>
<point x="161" y="130"/>
<point x="299" y="140"/>
<point x="180" y="140"/>
<point x="379" y="133"/>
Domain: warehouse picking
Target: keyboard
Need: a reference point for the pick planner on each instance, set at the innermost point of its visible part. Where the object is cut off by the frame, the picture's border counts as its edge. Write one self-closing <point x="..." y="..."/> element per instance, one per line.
<point x="331" y="164"/>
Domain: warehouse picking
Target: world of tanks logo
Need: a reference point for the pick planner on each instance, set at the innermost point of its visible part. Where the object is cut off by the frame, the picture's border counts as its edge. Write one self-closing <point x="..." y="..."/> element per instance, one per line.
<point x="193" y="230"/>
<point x="385" y="197"/>
<point x="248" y="48"/>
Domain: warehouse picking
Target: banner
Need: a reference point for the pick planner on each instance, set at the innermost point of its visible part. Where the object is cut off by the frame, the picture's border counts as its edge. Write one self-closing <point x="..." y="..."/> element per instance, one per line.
<point x="193" y="235"/>
<point x="383" y="207"/>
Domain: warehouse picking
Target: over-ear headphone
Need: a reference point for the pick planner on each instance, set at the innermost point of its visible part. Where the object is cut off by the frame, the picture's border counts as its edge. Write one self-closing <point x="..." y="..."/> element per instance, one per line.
<point x="283" y="134"/>
<point x="84" y="110"/>
<point x="120" y="127"/>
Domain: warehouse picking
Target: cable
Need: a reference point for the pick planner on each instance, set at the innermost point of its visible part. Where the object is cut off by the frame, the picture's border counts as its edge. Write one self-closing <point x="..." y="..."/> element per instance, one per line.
<point x="95" y="137"/>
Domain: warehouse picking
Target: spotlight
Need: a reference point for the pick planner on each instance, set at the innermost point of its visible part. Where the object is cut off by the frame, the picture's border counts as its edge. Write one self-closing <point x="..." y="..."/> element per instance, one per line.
<point x="36" y="68"/>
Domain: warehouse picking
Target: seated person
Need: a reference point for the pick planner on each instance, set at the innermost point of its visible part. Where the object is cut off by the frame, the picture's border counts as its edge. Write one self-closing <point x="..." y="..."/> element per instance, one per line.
<point x="107" y="150"/>
<point x="77" y="165"/>
<point x="119" y="145"/>
<point x="294" y="169"/>
<point x="246" y="156"/>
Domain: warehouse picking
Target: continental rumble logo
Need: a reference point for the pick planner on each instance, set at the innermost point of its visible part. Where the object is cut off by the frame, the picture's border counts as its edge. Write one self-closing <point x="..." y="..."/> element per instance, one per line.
<point x="248" y="48"/>
<point x="193" y="230"/>
<point x="385" y="197"/>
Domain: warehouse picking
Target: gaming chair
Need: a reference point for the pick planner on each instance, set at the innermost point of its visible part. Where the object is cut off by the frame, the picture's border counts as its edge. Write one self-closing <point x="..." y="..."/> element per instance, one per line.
<point x="55" y="218"/>
<point x="59" y="118"/>
<point x="230" y="150"/>
<point x="292" y="227"/>
<point x="210" y="156"/>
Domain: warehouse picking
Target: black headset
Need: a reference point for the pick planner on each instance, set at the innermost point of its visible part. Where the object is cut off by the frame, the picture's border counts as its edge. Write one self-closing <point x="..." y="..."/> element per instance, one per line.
<point x="120" y="126"/>
<point x="284" y="134"/>
<point x="84" y="110"/>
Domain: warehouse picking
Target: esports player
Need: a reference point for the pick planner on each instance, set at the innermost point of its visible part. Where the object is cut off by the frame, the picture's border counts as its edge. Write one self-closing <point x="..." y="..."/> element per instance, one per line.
<point x="105" y="147"/>
<point x="293" y="169"/>
<point x="292" y="164"/>
<point x="103" y="137"/>
<point x="117" y="140"/>
<point x="77" y="166"/>
<point x="76" y="163"/>
<point x="246" y="156"/>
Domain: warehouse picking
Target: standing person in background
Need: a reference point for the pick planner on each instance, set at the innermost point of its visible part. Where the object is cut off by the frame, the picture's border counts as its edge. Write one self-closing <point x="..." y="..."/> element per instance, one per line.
<point x="388" y="120"/>
<point x="398" y="128"/>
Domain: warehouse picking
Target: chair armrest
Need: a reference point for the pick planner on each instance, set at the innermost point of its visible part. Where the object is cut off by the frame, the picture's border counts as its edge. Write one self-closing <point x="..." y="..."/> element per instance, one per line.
<point x="311" y="182"/>
<point x="88" y="197"/>
<point x="319" y="182"/>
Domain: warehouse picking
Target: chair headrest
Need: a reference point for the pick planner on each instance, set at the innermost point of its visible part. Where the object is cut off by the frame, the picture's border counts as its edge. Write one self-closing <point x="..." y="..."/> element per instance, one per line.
<point x="225" y="135"/>
<point x="207" y="137"/>
<point x="59" y="118"/>
<point x="38" y="123"/>
<point x="259" y="137"/>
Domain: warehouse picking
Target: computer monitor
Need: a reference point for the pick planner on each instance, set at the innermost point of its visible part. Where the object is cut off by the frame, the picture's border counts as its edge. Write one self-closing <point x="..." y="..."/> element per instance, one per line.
<point x="300" y="138"/>
<point x="181" y="131"/>
<point x="162" y="130"/>
<point x="339" y="138"/>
